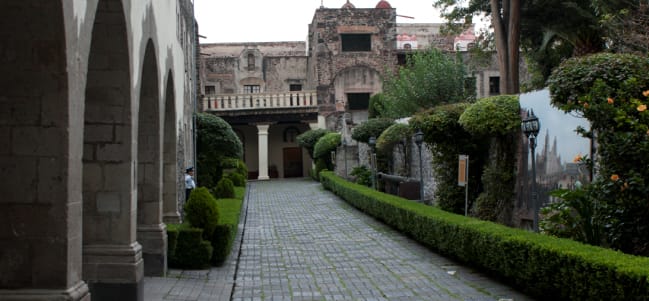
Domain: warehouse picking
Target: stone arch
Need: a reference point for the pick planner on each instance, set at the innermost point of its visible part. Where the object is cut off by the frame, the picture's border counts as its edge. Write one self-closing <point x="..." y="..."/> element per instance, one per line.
<point x="39" y="198"/>
<point x="150" y="229"/>
<point x="112" y="259"/>
<point x="171" y="174"/>
<point x="356" y="79"/>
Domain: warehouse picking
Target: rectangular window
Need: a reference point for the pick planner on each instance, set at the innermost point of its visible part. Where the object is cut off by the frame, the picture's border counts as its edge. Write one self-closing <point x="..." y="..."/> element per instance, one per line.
<point x="356" y="42"/>
<point x="358" y="101"/>
<point x="251" y="89"/>
<point x="295" y="87"/>
<point x="210" y="90"/>
<point x="494" y="85"/>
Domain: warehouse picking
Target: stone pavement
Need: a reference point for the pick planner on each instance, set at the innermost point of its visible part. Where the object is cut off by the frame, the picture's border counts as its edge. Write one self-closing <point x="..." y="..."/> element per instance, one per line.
<point x="301" y="242"/>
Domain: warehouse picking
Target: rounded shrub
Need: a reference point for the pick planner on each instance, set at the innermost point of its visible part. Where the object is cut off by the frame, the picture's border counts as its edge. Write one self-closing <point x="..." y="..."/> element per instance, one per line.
<point x="393" y="135"/>
<point x="201" y="211"/>
<point x="496" y="115"/>
<point x="224" y="189"/>
<point x="371" y="128"/>
<point x="326" y="144"/>
<point x="237" y="179"/>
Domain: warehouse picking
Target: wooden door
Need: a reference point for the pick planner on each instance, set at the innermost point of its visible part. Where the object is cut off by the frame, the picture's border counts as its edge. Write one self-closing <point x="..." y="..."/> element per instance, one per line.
<point x="293" y="162"/>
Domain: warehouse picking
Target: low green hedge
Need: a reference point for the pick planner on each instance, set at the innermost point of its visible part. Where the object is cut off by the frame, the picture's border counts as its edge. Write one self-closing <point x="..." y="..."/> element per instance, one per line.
<point x="545" y="267"/>
<point x="226" y="230"/>
<point x="186" y="247"/>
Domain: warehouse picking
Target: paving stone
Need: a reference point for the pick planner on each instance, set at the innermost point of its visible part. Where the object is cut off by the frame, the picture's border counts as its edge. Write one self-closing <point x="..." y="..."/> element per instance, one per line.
<point x="301" y="242"/>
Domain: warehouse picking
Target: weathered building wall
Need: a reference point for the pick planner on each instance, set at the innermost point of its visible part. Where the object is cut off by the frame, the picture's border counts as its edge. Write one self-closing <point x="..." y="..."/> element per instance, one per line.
<point x="93" y="102"/>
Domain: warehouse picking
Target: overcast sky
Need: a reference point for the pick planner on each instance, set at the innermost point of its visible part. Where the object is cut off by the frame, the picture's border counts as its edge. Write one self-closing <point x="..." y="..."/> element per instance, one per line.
<point x="284" y="20"/>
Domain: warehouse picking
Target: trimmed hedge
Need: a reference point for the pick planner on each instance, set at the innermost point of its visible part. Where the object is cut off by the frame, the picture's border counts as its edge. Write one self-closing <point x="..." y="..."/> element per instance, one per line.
<point x="543" y="266"/>
<point x="226" y="230"/>
<point x="188" y="250"/>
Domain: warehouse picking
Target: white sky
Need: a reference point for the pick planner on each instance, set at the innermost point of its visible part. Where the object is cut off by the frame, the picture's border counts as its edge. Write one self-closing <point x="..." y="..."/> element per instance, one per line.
<point x="284" y="20"/>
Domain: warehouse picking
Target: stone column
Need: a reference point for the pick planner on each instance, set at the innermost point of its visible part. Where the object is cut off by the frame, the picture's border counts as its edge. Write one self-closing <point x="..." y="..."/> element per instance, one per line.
<point x="262" y="135"/>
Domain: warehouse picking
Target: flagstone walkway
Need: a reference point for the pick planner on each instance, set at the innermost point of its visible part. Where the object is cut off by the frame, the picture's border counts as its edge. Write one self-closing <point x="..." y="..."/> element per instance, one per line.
<point x="301" y="242"/>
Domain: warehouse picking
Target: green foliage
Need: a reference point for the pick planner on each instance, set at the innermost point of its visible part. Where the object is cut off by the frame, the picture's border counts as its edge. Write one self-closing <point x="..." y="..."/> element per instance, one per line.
<point x="447" y="139"/>
<point x="320" y="165"/>
<point x="377" y="107"/>
<point x="498" y="119"/>
<point x="191" y="251"/>
<point x="216" y="141"/>
<point x="226" y="231"/>
<point x="576" y="78"/>
<point x="323" y="148"/>
<point x="362" y="175"/>
<point x="612" y="92"/>
<point x="574" y="216"/>
<point x="224" y="189"/>
<point x="545" y="267"/>
<point x="237" y="179"/>
<point x="429" y="78"/>
<point x="309" y="139"/>
<point x="201" y="210"/>
<point x="393" y="135"/>
<point x="496" y="115"/>
<point x="371" y="128"/>
<point x="172" y="239"/>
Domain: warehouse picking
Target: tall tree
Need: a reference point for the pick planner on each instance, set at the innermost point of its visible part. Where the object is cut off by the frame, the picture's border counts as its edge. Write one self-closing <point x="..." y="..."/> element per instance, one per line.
<point x="505" y="20"/>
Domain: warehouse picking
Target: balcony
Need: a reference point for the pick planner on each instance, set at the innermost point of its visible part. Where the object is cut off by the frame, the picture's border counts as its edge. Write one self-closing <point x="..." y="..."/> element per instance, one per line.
<point x="256" y="107"/>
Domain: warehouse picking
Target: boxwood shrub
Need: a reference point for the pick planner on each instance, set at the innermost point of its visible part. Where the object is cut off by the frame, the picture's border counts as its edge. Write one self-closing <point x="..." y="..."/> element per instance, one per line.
<point x="189" y="251"/>
<point x="545" y="267"/>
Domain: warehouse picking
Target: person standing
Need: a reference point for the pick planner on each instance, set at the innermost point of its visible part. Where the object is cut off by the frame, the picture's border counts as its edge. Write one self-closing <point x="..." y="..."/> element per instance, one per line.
<point x="190" y="184"/>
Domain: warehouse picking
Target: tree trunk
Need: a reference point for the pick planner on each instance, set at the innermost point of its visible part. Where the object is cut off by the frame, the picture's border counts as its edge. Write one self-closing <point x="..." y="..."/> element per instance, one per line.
<point x="505" y="20"/>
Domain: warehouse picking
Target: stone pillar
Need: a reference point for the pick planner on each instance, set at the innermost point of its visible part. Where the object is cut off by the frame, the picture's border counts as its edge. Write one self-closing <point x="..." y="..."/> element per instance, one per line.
<point x="262" y="135"/>
<point x="114" y="272"/>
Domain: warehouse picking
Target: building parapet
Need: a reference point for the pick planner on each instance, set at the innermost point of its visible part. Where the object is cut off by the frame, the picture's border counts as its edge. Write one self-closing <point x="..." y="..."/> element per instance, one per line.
<point x="256" y="101"/>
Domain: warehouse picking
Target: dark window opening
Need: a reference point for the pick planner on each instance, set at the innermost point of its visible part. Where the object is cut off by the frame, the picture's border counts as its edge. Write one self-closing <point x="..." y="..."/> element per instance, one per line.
<point x="494" y="85"/>
<point x="251" y="61"/>
<point x="295" y="87"/>
<point x="290" y="134"/>
<point x="358" y="101"/>
<point x="356" y="42"/>
<point x="210" y="90"/>
<point x="251" y="89"/>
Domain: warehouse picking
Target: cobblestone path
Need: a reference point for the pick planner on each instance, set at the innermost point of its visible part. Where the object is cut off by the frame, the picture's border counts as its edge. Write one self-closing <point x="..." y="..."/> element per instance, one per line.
<point x="301" y="242"/>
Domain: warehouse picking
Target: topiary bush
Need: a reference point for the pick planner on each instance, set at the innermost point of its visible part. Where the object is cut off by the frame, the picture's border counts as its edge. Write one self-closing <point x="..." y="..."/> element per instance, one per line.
<point x="377" y="107"/>
<point x="362" y="175"/>
<point x="309" y="139"/>
<point x="497" y="119"/>
<point x="397" y="133"/>
<point x="191" y="251"/>
<point x="323" y="148"/>
<point x="224" y="189"/>
<point x="201" y="211"/>
<point x="446" y="138"/>
<point x="237" y="179"/>
<point x="371" y="128"/>
<point x="576" y="77"/>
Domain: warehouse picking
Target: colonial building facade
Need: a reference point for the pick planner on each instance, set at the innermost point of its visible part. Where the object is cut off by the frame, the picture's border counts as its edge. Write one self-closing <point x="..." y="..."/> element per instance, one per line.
<point x="96" y="103"/>
<point x="271" y="92"/>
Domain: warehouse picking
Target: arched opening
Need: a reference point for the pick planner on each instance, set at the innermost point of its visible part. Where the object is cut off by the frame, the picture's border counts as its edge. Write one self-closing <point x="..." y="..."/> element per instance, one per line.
<point x="39" y="161"/>
<point x="112" y="263"/>
<point x="171" y="173"/>
<point x="150" y="230"/>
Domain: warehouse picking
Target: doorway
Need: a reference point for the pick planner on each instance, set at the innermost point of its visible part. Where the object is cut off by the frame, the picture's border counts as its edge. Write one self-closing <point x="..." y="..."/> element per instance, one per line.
<point x="293" y="162"/>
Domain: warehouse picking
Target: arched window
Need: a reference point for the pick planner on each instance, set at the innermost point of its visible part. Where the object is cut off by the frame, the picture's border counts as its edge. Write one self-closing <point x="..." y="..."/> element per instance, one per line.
<point x="290" y="133"/>
<point x="251" y="61"/>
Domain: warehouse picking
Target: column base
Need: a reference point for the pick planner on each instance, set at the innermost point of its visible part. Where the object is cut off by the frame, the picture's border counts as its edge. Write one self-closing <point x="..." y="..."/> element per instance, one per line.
<point x="263" y="178"/>
<point x="114" y="272"/>
<point x="117" y="291"/>
<point x="153" y="239"/>
<point x="78" y="292"/>
<point x="171" y="218"/>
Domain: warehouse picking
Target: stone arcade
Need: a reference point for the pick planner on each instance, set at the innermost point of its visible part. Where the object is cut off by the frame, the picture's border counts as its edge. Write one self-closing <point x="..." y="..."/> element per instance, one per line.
<point x="96" y="103"/>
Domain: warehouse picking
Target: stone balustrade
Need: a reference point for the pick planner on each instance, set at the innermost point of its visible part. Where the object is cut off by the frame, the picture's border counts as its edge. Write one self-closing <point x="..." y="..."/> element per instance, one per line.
<point x="256" y="101"/>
